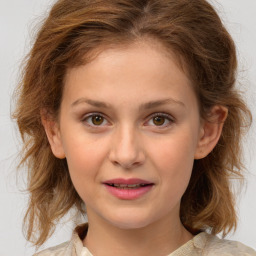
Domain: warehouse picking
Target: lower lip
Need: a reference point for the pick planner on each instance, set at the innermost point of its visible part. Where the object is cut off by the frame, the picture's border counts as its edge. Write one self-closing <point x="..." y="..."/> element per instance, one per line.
<point x="128" y="194"/>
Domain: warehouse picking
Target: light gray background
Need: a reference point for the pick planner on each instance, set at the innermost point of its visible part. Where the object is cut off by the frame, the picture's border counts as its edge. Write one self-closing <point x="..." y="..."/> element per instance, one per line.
<point x="17" y="19"/>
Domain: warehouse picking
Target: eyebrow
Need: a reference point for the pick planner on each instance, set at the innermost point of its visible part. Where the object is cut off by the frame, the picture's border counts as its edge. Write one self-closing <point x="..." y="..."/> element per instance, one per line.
<point x="157" y="103"/>
<point x="94" y="103"/>
<point x="147" y="105"/>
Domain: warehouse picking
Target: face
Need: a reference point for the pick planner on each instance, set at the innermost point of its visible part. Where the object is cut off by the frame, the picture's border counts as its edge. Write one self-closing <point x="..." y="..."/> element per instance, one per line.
<point x="129" y="128"/>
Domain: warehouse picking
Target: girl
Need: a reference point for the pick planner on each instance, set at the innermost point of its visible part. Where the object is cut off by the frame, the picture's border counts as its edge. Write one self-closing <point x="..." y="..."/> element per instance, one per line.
<point x="129" y="113"/>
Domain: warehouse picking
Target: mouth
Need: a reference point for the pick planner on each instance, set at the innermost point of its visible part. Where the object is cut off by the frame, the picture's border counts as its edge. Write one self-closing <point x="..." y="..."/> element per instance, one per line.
<point x="127" y="186"/>
<point x="128" y="189"/>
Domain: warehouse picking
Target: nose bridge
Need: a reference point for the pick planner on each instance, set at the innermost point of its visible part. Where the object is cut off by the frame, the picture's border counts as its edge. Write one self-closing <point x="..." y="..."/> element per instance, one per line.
<point x="126" y="149"/>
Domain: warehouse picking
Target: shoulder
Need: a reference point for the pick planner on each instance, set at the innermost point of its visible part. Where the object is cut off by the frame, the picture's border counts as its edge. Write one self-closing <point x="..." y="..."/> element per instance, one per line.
<point x="72" y="247"/>
<point x="216" y="246"/>
<point x="61" y="249"/>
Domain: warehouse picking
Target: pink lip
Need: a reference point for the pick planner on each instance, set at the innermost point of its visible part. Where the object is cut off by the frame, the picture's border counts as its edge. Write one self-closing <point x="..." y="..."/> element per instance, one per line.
<point x="127" y="181"/>
<point x="128" y="193"/>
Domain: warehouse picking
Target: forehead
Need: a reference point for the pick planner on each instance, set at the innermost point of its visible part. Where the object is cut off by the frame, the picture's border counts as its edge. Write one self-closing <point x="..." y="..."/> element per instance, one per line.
<point x="144" y="43"/>
<point x="148" y="52"/>
<point x="139" y="69"/>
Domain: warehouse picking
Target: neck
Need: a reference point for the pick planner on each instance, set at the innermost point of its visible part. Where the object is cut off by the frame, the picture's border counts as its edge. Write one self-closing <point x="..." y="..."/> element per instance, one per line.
<point x="160" y="238"/>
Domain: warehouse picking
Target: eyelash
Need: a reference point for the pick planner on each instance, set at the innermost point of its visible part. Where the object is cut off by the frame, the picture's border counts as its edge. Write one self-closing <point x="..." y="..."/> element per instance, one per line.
<point x="91" y="115"/>
<point x="166" y="117"/>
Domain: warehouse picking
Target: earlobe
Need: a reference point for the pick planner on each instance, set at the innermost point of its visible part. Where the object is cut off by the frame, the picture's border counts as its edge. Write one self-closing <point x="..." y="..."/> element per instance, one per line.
<point x="52" y="131"/>
<point x="210" y="132"/>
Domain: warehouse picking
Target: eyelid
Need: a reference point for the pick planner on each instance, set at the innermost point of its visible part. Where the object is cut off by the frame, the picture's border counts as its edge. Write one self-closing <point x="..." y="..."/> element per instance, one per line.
<point x="91" y="114"/>
<point x="164" y="115"/>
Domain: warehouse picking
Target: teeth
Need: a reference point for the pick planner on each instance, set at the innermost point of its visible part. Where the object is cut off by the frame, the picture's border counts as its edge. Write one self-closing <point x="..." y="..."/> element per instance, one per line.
<point x="133" y="185"/>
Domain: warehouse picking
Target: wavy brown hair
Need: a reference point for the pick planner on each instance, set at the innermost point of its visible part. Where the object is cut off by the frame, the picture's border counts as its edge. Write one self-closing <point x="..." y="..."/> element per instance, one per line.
<point x="76" y="28"/>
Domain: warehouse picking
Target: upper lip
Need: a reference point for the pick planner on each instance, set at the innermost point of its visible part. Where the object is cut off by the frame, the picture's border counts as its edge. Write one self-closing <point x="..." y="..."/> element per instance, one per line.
<point x="127" y="181"/>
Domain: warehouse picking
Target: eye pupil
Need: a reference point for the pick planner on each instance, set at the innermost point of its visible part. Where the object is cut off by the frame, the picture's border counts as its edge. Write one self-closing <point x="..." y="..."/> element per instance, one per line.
<point x="97" y="120"/>
<point x="158" y="120"/>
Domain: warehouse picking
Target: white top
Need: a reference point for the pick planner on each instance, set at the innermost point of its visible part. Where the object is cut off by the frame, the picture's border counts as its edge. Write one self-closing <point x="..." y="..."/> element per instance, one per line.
<point x="202" y="244"/>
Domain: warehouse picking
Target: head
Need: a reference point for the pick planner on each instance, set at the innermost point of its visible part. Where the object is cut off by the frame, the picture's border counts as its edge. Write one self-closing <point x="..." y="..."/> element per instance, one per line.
<point x="75" y="34"/>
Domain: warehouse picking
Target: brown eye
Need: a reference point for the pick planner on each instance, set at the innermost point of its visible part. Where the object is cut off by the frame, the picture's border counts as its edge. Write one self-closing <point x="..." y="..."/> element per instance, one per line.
<point x="159" y="120"/>
<point x="97" y="120"/>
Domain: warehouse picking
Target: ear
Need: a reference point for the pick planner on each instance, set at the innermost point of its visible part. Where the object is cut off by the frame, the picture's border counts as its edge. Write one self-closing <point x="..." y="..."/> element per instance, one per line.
<point x="51" y="127"/>
<point x="211" y="130"/>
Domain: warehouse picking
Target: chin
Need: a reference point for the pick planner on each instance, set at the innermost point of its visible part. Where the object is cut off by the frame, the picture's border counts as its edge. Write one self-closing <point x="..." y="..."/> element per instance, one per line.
<point x="129" y="225"/>
<point x="130" y="221"/>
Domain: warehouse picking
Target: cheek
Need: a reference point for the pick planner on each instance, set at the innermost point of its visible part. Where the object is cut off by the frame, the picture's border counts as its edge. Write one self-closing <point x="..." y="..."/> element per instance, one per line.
<point x="175" y="151"/>
<point x="174" y="160"/>
<point x="84" y="158"/>
<point x="84" y="164"/>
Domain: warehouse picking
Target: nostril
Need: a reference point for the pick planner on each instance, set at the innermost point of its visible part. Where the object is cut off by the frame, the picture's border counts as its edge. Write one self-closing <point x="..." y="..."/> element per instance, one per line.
<point x="127" y="166"/>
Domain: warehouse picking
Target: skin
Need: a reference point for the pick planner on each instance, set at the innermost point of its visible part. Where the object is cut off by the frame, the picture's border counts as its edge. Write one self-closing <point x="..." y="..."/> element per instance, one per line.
<point x="119" y="85"/>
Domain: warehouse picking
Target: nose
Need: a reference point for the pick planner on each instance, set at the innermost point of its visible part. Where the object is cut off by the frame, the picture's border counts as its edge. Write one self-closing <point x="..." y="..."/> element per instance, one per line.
<point x="126" y="148"/>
